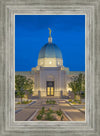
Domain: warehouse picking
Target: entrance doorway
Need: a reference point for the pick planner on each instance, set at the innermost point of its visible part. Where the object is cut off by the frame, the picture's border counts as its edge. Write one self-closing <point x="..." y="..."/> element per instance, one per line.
<point x="50" y="88"/>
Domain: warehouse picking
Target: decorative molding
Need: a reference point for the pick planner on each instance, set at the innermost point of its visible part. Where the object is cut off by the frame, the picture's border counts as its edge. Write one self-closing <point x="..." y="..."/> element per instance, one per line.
<point x="91" y="9"/>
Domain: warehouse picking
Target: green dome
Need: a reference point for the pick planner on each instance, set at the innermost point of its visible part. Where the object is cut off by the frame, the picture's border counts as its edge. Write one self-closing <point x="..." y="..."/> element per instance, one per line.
<point x="50" y="50"/>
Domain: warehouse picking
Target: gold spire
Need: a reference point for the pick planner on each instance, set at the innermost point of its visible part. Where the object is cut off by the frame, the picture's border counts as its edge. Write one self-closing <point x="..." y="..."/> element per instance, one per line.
<point x="49" y="32"/>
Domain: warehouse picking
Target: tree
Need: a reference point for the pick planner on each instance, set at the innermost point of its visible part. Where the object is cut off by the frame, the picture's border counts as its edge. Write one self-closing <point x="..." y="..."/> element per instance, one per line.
<point x="81" y="83"/>
<point x="78" y="84"/>
<point x="29" y="86"/>
<point x="22" y="85"/>
<point x="82" y="93"/>
<point x="73" y="85"/>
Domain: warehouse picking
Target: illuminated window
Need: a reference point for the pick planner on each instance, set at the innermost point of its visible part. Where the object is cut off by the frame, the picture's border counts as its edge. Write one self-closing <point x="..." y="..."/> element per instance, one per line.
<point x="50" y="62"/>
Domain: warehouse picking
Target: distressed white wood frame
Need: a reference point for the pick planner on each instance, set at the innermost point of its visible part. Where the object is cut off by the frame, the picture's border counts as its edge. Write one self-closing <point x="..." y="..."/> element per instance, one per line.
<point x="8" y="125"/>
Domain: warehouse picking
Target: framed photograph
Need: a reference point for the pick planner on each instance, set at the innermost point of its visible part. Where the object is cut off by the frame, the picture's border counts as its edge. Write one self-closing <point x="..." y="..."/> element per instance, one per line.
<point x="50" y="68"/>
<point x="49" y="91"/>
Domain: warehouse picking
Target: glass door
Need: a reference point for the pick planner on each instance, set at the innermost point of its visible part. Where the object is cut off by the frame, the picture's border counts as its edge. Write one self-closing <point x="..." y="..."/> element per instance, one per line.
<point x="52" y="91"/>
<point x="48" y="91"/>
<point x="50" y="88"/>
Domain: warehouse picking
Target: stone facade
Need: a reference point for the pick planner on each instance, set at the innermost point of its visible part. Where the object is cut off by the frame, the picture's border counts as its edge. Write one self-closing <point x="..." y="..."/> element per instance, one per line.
<point x="61" y="76"/>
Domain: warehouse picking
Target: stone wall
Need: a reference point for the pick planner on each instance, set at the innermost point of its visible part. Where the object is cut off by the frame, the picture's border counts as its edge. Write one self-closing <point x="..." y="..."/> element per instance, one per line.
<point x="60" y="75"/>
<point x="50" y="74"/>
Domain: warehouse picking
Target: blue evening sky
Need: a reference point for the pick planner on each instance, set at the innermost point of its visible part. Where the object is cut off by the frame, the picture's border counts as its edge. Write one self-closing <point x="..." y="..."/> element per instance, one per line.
<point x="31" y="34"/>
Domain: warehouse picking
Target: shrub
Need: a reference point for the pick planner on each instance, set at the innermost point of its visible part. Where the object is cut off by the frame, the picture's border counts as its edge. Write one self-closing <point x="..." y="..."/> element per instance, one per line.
<point x="50" y="102"/>
<point x="42" y="110"/>
<point x="59" y="113"/>
<point x="18" y="103"/>
<point x="47" y="101"/>
<point x="79" y="102"/>
<point x="26" y="102"/>
<point x="62" y="117"/>
<point x="70" y="100"/>
<point x="49" y="117"/>
<point x="74" y="103"/>
<point x="39" y="117"/>
<point x="75" y="100"/>
<point x="50" y="110"/>
<point x="53" y="102"/>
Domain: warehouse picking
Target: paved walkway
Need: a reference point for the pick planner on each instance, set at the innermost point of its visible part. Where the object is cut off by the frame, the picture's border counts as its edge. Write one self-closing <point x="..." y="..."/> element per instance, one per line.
<point x="28" y="111"/>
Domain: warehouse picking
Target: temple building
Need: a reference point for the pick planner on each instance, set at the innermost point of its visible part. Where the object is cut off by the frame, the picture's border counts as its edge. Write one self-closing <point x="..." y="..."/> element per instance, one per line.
<point x="50" y="77"/>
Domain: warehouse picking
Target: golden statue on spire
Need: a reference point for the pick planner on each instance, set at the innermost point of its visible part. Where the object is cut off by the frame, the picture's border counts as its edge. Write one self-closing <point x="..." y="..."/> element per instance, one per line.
<point x="49" y="32"/>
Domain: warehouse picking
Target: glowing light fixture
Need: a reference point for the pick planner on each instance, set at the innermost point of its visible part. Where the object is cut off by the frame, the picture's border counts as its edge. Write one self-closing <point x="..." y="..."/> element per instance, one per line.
<point x="50" y="62"/>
